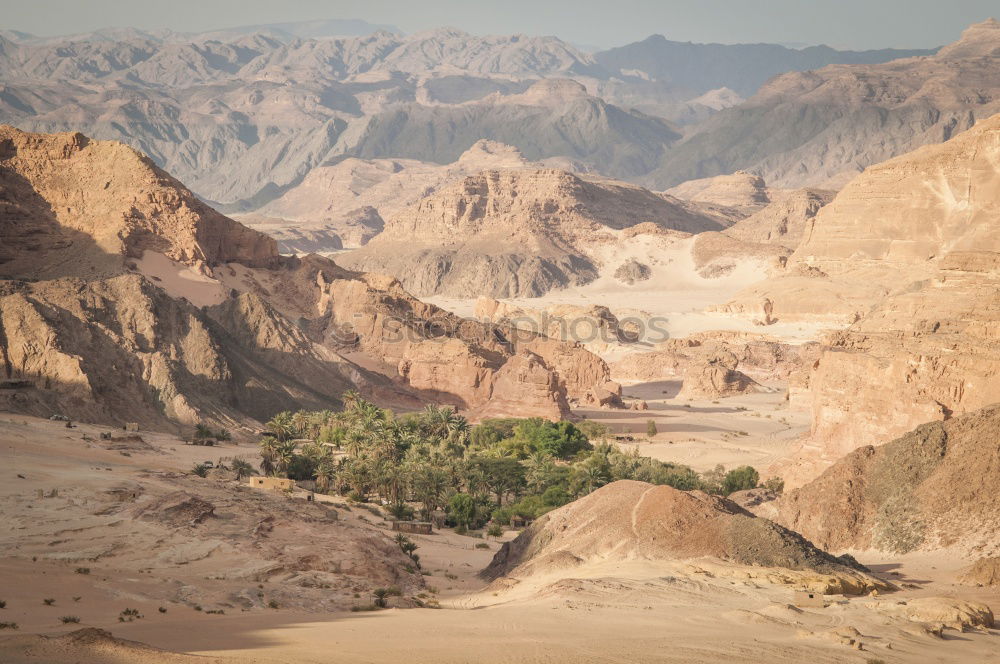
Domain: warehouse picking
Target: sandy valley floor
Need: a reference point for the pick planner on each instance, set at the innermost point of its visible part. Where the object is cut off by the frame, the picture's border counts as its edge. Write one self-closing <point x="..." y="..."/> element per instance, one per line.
<point x="697" y="611"/>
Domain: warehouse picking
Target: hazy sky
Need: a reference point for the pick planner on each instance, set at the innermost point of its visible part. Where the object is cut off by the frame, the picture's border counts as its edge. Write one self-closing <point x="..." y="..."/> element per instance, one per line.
<point x="841" y="23"/>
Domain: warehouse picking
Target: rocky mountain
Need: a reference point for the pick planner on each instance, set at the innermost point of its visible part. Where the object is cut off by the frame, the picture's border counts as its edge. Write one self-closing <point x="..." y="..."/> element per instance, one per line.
<point x="344" y="204"/>
<point x="804" y="128"/>
<point x="906" y="258"/>
<point x="740" y="67"/>
<point x="629" y="520"/>
<point x="243" y="115"/>
<point x="126" y="299"/>
<point x="516" y="233"/>
<point x="931" y="488"/>
<point x="551" y="118"/>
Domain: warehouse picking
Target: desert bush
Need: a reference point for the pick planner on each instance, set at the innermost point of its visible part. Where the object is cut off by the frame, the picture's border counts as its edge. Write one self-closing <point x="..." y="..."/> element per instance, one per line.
<point x="128" y="615"/>
<point x="66" y="620"/>
<point x="201" y="470"/>
<point x="775" y="484"/>
<point x="740" y="479"/>
<point x="48" y="602"/>
<point x="83" y="570"/>
<point x="401" y="512"/>
<point x="8" y="625"/>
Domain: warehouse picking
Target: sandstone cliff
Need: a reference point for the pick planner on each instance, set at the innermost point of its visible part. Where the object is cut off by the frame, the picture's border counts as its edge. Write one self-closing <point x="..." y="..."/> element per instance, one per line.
<point x="120" y="338"/>
<point x="908" y="252"/>
<point x="932" y="488"/>
<point x="515" y="233"/>
<point x="62" y="198"/>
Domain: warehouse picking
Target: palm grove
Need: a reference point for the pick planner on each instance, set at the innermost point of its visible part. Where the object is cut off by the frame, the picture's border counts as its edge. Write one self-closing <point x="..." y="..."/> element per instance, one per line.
<point x="419" y="463"/>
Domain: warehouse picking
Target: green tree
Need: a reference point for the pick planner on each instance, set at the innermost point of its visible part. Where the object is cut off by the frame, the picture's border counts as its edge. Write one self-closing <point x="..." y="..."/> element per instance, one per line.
<point x="281" y="426"/>
<point x="740" y="479"/>
<point x="242" y="468"/>
<point x="462" y="508"/>
<point x="561" y="440"/>
<point x="499" y="476"/>
<point x="651" y="429"/>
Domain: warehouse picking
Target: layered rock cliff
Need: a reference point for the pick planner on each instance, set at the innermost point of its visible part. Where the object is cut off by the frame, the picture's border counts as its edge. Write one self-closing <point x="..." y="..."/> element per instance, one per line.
<point x="515" y="233"/>
<point x="908" y="251"/>
<point x="127" y="299"/>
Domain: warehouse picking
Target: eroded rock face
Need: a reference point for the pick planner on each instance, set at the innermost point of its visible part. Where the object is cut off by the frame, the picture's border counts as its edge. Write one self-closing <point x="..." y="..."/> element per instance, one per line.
<point x="714" y="380"/>
<point x="742" y="190"/>
<point x="906" y="258"/>
<point x="273" y="333"/>
<point x="526" y="386"/>
<point x="88" y="205"/>
<point x="514" y="233"/>
<point x="757" y="356"/>
<point x="932" y="488"/>
<point x="983" y="572"/>
<point x="120" y="350"/>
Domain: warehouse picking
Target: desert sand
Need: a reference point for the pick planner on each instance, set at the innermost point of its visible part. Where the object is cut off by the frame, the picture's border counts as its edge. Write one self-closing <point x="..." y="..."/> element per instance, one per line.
<point x="618" y="610"/>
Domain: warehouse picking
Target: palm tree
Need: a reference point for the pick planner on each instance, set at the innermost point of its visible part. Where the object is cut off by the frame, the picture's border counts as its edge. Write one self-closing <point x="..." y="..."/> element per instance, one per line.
<point x="284" y="453"/>
<point x="281" y="426"/>
<point x="380" y="595"/>
<point x="326" y="475"/>
<point x="242" y="468"/>
<point x="268" y="455"/>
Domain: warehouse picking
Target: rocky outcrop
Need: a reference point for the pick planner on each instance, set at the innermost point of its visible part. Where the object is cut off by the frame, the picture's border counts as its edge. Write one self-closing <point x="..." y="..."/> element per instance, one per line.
<point x="526" y="386"/>
<point x="784" y="220"/>
<point x="543" y="221"/>
<point x="632" y="271"/>
<point x="983" y="572"/>
<point x="89" y="205"/>
<point x="756" y="356"/>
<point x="932" y="488"/>
<point x="350" y="199"/>
<point x="270" y="333"/>
<point x="804" y="128"/>
<point x="906" y="255"/>
<point x="628" y="521"/>
<point x="121" y="350"/>
<point x="716" y="379"/>
<point x="741" y="190"/>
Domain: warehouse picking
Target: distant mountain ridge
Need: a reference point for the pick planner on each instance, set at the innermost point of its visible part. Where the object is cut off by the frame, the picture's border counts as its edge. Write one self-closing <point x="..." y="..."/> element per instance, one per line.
<point x="244" y="116"/>
<point x="740" y="67"/>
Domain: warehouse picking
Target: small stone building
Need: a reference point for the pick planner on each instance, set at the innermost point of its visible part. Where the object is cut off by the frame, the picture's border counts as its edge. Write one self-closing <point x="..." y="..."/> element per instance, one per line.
<point x="415" y="527"/>
<point x="808" y="598"/>
<point x="272" y="483"/>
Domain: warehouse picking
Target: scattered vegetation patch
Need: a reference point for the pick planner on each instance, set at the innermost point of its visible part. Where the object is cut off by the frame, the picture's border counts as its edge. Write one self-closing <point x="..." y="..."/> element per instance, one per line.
<point x="66" y="620"/>
<point x="129" y="615"/>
